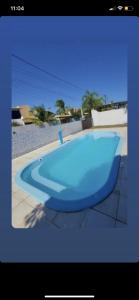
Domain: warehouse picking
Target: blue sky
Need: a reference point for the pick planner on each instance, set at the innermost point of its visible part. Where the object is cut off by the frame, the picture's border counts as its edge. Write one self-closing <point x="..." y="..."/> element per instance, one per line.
<point x="86" y="51"/>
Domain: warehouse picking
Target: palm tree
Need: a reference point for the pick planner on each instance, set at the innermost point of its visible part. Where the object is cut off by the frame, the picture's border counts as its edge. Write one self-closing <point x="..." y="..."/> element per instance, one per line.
<point x="60" y="104"/>
<point x="91" y="100"/>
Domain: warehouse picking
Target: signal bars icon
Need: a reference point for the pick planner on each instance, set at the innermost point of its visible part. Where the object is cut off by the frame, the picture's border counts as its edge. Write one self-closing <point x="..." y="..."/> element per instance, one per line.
<point x="112" y="8"/>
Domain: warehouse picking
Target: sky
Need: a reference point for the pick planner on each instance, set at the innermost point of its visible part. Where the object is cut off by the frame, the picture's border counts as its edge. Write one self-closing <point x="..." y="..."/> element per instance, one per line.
<point x="87" y="52"/>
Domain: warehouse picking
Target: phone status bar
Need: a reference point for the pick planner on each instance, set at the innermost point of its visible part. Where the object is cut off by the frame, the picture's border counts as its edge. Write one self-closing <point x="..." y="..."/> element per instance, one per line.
<point x="39" y="9"/>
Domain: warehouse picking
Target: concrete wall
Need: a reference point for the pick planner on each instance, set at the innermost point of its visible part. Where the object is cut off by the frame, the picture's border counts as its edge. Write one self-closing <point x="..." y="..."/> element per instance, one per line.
<point x="109" y="117"/>
<point x="18" y="121"/>
<point x="29" y="137"/>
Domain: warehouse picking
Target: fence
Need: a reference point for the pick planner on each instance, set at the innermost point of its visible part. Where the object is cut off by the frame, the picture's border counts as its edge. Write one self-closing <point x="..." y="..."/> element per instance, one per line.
<point x="29" y="137"/>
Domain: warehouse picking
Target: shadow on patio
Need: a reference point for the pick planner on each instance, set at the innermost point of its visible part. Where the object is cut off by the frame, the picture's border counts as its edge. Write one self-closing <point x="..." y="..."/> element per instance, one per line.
<point x="110" y="213"/>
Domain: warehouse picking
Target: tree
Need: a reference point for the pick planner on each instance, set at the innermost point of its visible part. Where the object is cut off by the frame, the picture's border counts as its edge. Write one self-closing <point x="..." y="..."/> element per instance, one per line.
<point x="42" y="115"/>
<point x="40" y="112"/>
<point x="91" y="100"/>
<point x="69" y="110"/>
<point x="49" y="116"/>
<point x="61" y="106"/>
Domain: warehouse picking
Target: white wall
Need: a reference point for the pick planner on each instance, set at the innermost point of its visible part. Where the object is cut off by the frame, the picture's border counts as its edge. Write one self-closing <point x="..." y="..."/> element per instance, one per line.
<point x="18" y="121"/>
<point x="109" y="117"/>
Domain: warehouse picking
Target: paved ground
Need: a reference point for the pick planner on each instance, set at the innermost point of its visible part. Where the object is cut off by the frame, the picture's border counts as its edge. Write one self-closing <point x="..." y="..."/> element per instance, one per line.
<point x="112" y="212"/>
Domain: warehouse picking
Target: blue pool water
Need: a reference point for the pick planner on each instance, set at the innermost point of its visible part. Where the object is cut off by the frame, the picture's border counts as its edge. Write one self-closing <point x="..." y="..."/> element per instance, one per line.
<point x="77" y="174"/>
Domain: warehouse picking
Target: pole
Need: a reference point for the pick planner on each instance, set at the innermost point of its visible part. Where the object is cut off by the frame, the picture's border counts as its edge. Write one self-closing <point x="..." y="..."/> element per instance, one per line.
<point x="60" y="133"/>
<point x="81" y="112"/>
<point x="105" y="99"/>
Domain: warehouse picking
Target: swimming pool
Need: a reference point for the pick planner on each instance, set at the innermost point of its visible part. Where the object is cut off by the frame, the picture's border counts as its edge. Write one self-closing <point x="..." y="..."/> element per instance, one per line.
<point x="76" y="175"/>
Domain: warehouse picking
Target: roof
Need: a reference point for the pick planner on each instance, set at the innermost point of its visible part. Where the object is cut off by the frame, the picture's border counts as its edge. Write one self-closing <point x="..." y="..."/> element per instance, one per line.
<point x="116" y="103"/>
<point x="113" y="105"/>
<point x="23" y="111"/>
<point x="63" y="116"/>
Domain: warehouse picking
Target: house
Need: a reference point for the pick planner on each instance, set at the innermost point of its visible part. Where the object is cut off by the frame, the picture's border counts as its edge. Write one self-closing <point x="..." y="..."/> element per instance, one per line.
<point x="16" y="117"/>
<point x="63" y="118"/>
<point x="22" y="115"/>
<point x="113" y="105"/>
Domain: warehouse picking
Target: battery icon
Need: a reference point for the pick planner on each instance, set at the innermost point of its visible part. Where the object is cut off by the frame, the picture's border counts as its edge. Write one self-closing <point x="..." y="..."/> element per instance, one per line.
<point x="128" y="8"/>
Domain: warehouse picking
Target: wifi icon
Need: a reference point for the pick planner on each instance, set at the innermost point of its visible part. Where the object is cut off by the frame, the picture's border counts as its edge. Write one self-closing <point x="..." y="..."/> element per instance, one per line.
<point x="120" y="7"/>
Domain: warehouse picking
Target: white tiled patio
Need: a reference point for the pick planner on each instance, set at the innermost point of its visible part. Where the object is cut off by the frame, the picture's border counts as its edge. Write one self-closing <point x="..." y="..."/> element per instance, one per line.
<point x="27" y="212"/>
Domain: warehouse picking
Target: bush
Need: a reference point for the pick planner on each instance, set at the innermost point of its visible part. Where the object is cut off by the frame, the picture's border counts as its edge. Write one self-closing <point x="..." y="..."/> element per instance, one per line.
<point x="38" y="122"/>
<point x="14" y="124"/>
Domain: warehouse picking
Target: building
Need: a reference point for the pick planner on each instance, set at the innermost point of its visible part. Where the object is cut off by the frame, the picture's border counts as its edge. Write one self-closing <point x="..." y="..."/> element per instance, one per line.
<point x="113" y="105"/>
<point x="63" y="118"/>
<point x="22" y="115"/>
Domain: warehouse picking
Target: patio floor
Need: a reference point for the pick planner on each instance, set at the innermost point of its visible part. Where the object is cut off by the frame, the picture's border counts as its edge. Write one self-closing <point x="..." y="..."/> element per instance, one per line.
<point x="111" y="213"/>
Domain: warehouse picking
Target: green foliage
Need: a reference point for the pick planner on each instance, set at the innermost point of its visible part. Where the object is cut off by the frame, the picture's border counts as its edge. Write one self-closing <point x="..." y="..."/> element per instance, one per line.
<point x="39" y="112"/>
<point x="91" y="100"/>
<point x="112" y="105"/>
<point x="49" y="116"/>
<point x="41" y="115"/>
<point x="53" y="122"/>
<point x="15" y="124"/>
<point x="75" y="113"/>
<point x="60" y="104"/>
<point x="38" y="122"/>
